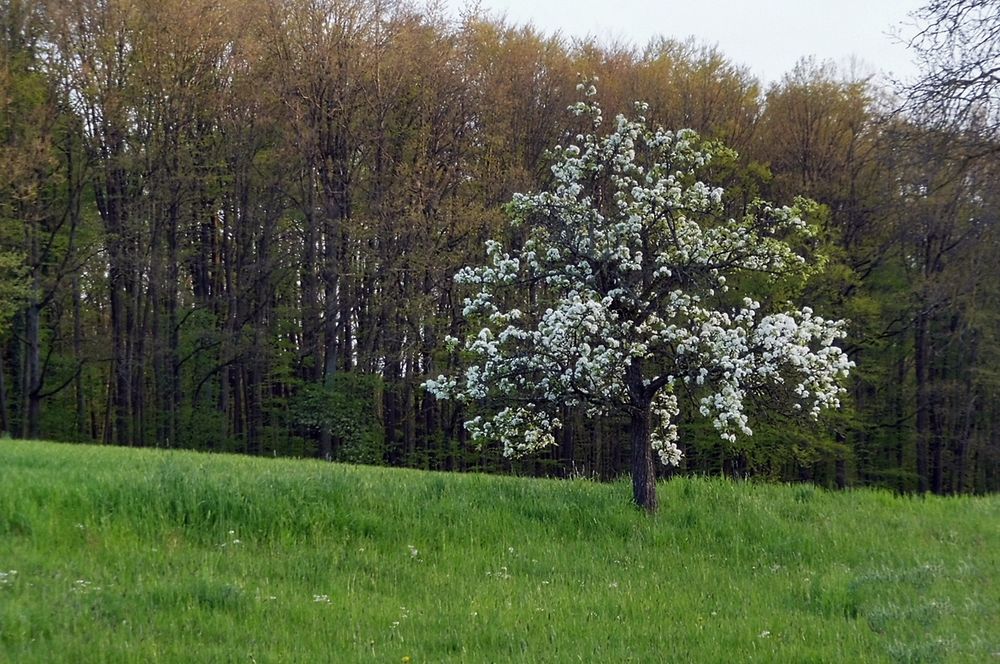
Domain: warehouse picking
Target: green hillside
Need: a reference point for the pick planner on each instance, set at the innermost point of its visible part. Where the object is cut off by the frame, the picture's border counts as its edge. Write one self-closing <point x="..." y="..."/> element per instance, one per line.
<point x="110" y="555"/>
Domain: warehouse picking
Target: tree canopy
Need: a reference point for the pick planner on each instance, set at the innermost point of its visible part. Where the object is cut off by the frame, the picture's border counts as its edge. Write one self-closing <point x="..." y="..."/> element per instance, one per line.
<point x="641" y="287"/>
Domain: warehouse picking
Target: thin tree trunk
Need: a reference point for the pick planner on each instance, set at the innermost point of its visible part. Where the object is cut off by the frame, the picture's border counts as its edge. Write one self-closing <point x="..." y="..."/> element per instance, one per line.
<point x="106" y="427"/>
<point x="840" y="468"/>
<point x="311" y="303"/>
<point x="159" y="396"/>
<point x="139" y="329"/>
<point x="328" y="368"/>
<point x="600" y="461"/>
<point x="346" y="328"/>
<point x="390" y="402"/>
<point x="4" y="419"/>
<point x="255" y="413"/>
<point x="409" y="419"/>
<point x="173" y="380"/>
<point x="81" y="404"/>
<point x="32" y="380"/>
<point x="921" y="343"/>
<point x="900" y="413"/>
<point x="117" y="292"/>
<point x="32" y="377"/>
<point x="936" y="454"/>
<point x="962" y="453"/>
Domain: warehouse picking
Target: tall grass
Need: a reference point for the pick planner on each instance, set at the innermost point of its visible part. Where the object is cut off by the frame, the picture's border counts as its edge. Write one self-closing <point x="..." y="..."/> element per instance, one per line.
<point x="141" y="556"/>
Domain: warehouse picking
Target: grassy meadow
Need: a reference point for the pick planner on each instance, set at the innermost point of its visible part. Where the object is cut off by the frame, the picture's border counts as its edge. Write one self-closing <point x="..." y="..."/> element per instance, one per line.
<point x="124" y="555"/>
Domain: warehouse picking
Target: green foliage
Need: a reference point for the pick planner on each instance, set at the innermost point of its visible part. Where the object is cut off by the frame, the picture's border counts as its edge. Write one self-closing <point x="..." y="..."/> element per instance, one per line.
<point x="143" y="555"/>
<point x="347" y="409"/>
<point x="14" y="288"/>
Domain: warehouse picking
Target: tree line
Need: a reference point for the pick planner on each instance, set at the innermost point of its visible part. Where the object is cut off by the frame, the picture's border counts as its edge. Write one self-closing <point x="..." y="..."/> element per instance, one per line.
<point x="234" y="226"/>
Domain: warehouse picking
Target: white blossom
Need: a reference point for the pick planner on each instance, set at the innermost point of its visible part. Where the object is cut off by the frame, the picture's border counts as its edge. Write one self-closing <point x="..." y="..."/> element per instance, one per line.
<point x="642" y="277"/>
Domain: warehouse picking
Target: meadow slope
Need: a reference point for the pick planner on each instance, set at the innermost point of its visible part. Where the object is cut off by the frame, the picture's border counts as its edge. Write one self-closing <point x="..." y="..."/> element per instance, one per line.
<point x="126" y="555"/>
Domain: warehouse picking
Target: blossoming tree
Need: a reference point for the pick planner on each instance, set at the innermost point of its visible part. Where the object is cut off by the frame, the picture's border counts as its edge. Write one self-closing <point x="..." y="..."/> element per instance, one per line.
<point x="633" y="288"/>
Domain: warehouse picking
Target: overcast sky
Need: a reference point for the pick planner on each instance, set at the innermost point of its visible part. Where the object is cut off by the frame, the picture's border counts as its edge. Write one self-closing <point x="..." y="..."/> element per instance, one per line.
<point x="768" y="36"/>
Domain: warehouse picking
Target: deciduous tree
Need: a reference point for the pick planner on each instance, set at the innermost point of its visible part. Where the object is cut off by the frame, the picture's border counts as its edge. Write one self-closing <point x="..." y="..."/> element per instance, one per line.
<point x="640" y="290"/>
<point x="958" y="49"/>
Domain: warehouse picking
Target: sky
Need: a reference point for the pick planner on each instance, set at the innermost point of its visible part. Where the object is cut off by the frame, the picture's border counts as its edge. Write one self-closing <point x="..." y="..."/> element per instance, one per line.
<point x="768" y="36"/>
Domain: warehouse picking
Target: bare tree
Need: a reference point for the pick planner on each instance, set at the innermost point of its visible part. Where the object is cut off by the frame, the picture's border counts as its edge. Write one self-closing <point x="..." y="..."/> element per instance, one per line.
<point x="958" y="50"/>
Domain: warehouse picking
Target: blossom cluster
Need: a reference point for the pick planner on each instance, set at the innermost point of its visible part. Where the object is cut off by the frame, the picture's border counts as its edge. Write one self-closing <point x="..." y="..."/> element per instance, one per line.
<point x="635" y="273"/>
<point x="664" y="435"/>
<point x="520" y="430"/>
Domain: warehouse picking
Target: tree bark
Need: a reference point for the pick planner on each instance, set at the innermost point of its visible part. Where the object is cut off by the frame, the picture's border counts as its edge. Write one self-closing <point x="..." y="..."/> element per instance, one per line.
<point x="110" y="201"/>
<point x="173" y="366"/>
<point x="32" y="377"/>
<point x="640" y="430"/>
<point x="643" y="471"/>
<point x="78" y="389"/>
<point x="921" y="353"/>
<point x="4" y="420"/>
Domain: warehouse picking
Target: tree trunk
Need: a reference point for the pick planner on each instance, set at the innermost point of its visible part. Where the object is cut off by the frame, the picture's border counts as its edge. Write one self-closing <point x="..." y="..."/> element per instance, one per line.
<point x="173" y="361"/>
<point x="138" y="330"/>
<point x="346" y="327"/>
<point x="312" y="304"/>
<point x="643" y="472"/>
<point x="962" y="454"/>
<point x="841" y="473"/>
<point x="325" y="445"/>
<point x="81" y="404"/>
<point x="409" y="418"/>
<point x="4" y="420"/>
<point x="390" y="404"/>
<point x="32" y="384"/>
<point x="32" y="377"/>
<point x="923" y="397"/>
<point x="900" y="414"/>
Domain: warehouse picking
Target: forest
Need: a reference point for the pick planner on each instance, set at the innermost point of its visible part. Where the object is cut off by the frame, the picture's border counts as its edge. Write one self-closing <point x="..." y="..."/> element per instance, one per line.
<point x="234" y="226"/>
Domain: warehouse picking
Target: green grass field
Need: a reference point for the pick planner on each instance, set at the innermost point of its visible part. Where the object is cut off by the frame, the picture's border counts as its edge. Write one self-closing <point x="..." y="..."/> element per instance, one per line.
<point x="119" y="555"/>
